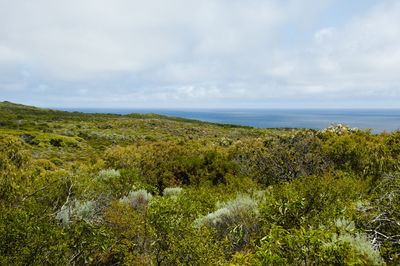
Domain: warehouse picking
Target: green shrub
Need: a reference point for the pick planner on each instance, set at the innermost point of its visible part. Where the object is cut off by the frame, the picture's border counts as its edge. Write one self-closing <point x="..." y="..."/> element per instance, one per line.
<point x="360" y="242"/>
<point x="310" y="201"/>
<point x="380" y="217"/>
<point x="14" y="160"/>
<point x="308" y="247"/>
<point x="283" y="158"/>
<point x="362" y="153"/>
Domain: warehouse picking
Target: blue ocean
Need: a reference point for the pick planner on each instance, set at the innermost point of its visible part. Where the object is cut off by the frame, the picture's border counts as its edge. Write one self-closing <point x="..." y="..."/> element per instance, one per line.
<point x="377" y="119"/>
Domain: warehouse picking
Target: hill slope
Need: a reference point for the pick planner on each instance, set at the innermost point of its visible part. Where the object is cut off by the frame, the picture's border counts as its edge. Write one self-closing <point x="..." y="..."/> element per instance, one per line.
<point x="145" y="188"/>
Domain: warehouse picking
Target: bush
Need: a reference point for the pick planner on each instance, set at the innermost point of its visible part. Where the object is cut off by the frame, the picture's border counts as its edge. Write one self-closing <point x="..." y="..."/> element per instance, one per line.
<point x="85" y="210"/>
<point x="283" y="158"/>
<point x="13" y="163"/>
<point x="107" y="176"/>
<point x="360" y="242"/>
<point x="121" y="157"/>
<point x="113" y="184"/>
<point x="310" y="247"/>
<point x="362" y="153"/>
<point x="138" y="200"/>
<point x="381" y="216"/>
<point x="309" y="201"/>
<point x="172" y="191"/>
<point x="340" y="129"/>
<point x="80" y="210"/>
<point x="235" y="219"/>
<point x="187" y="164"/>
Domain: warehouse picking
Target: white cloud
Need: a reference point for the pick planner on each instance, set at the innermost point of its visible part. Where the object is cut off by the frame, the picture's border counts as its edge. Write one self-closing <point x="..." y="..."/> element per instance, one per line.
<point x="89" y="39"/>
<point x="361" y="58"/>
<point x="182" y="50"/>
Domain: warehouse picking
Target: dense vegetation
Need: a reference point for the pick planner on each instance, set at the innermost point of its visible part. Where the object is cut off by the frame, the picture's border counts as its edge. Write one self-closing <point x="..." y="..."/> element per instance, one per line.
<point x="108" y="189"/>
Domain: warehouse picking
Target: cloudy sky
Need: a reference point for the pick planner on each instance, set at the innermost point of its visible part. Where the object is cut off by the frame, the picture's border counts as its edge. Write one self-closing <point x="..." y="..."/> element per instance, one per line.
<point x="201" y="54"/>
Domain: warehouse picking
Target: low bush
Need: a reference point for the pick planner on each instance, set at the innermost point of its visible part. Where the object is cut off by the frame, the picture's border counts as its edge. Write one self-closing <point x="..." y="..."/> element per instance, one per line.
<point x="138" y="200"/>
<point x="87" y="211"/>
<point x="236" y="219"/>
<point x="314" y="246"/>
<point x="172" y="191"/>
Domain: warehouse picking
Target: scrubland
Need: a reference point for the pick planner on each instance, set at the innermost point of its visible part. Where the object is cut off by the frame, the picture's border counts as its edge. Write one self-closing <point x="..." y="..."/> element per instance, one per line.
<point x="107" y="189"/>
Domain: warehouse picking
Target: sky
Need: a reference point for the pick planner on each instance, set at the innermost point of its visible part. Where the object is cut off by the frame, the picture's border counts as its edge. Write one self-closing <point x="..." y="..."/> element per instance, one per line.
<point x="201" y="54"/>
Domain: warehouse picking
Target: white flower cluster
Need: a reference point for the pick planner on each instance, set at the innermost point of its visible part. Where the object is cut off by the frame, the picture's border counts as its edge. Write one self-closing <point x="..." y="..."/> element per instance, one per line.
<point x="340" y="129"/>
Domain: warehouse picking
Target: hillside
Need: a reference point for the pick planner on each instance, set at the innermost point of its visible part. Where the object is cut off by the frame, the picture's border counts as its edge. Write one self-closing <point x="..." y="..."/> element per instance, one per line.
<point x="108" y="189"/>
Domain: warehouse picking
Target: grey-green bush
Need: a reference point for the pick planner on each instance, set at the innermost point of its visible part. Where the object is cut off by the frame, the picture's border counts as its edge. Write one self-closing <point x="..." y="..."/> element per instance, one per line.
<point x="85" y="211"/>
<point x="236" y="219"/>
<point x="172" y="191"/>
<point x="107" y="176"/>
<point x="138" y="200"/>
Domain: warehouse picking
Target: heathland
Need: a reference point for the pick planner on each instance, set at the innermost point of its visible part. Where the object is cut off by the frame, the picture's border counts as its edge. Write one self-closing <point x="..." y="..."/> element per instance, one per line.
<point x="107" y="189"/>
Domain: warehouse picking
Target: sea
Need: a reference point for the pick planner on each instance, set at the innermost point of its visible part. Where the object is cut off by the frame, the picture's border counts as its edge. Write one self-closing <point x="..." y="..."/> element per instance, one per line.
<point x="378" y="120"/>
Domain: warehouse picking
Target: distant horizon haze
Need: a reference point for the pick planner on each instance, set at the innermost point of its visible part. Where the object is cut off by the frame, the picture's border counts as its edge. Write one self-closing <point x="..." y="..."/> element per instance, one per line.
<point x="377" y="119"/>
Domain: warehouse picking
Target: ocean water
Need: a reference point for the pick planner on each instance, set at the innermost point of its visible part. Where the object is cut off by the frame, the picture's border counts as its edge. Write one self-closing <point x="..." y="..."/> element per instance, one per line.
<point x="377" y="119"/>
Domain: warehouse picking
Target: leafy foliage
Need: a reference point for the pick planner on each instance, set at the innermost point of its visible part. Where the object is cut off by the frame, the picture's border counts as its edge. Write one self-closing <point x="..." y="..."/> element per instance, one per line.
<point x="107" y="189"/>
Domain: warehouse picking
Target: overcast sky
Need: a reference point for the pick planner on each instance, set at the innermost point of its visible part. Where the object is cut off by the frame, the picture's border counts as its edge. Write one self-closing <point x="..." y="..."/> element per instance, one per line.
<point x="201" y="53"/>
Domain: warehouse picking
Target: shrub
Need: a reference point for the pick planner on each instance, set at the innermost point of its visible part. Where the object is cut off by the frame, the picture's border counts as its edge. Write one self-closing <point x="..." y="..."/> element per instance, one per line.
<point x="82" y="211"/>
<point x="172" y="191"/>
<point x="116" y="183"/>
<point x="381" y="217"/>
<point x="358" y="241"/>
<point x="138" y="200"/>
<point x="13" y="161"/>
<point x="107" y="176"/>
<point x="85" y="210"/>
<point x="362" y="153"/>
<point x="283" y="158"/>
<point x="221" y="219"/>
<point x="309" y="201"/>
<point x="64" y="215"/>
<point x="361" y="244"/>
<point x="121" y="157"/>
<point x="339" y="129"/>
<point x="308" y="247"/>
<point x="236" y="219"/>
<point x="229" y="213"/>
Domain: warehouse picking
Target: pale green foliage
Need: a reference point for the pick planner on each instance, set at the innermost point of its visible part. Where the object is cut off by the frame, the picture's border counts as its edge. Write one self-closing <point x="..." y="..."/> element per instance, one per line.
<point x="258" y="195"/>
<point x="362" y="244"/>
<point x="107" y="176"/>
<point x="229" y="213"/>
<point x="64" y="215"/>
<point x="345" y="225"/>
<point x="172" y="191"/>
<point x="85" y="211"/>
<point x="362" y="205"/>
<point x="235" y="220"/>
<point x="138" y="200"/>
<point x="241" y="204"/>
<point x="358" y="241"/>
<point x="220" y="218"/>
